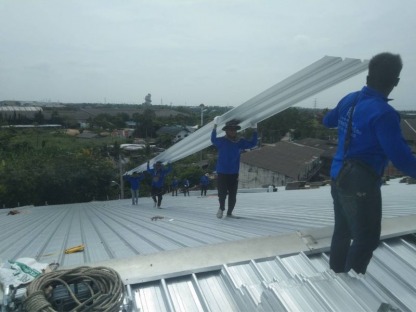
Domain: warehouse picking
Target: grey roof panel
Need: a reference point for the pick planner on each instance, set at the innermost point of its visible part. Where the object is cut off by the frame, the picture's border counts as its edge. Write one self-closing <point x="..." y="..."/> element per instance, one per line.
<point x="241" y="287"/>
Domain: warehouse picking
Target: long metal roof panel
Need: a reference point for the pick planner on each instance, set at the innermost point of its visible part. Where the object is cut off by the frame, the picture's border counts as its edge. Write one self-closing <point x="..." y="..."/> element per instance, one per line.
<point x="293" y="283"/>
<point x="324" y="73"/>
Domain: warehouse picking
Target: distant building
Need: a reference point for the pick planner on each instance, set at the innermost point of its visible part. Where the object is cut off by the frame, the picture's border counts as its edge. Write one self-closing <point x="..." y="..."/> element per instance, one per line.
<point x="176" y="132"/>
<point x="125" y="133"/>
<point x="408" y="127"/>
<point x="17" y="112"/>
<point x="329" y="148"/>
<point x="131" y="124"/>
<point x="87" y="135"/>
<point x="279" y="164"/>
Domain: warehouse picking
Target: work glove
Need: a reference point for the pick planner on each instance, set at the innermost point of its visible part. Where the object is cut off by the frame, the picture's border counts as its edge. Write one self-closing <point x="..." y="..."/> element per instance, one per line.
<point x="216" y="121"/>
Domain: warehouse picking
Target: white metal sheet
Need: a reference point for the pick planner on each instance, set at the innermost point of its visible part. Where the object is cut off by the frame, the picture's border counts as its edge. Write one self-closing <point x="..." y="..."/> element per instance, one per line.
<point x="311" y="80"/>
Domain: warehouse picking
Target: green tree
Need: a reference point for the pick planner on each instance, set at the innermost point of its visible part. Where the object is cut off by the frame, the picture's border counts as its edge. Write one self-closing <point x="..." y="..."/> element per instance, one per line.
<point x="56" y="174"/>
<point x="103" y="121"/>
<point x="145" y="123"/>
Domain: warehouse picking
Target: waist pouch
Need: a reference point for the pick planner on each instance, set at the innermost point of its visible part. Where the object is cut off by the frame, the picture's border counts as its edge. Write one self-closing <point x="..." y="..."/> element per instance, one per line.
<point x="357" y="176"/>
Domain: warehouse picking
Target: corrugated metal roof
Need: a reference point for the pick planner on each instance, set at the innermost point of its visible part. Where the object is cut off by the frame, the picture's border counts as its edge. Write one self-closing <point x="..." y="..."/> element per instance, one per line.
<point x="20" y="109"/>
<point x="117" y="229"/>
<point x="188" y="260"/>
<point x="293" y="283"/>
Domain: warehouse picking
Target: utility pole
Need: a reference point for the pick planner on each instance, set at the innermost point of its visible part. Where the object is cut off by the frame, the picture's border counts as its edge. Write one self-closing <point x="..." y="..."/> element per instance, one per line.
<point x="120" y="167"/>
<point x="202" y="113"/>
<point x="202" y="106"/>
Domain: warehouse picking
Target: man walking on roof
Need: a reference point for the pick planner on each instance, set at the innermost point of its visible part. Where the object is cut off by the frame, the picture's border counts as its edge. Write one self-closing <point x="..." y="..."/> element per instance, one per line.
<point x="158" y="173"/>
<point x="369" y="135"/>
<point x="203" y="183"/>
<point x="185" y="187"/>
<point x="228" y="163"/>
<point x="134" y="181"/>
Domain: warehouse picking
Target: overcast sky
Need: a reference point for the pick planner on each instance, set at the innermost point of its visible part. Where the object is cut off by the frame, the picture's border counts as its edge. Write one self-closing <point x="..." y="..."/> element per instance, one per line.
<point x="187" y="52"/>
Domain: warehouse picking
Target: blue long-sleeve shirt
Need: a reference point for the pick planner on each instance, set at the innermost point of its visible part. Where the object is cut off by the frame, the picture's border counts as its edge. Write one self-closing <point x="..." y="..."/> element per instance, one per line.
<point x="158" y="176"/>
<point x="229" y="152"/>
<point x="134" y="181"/>
<point x="376" y="135"/>
<point x="204" y="180"/>
<point x="175" y="183"/>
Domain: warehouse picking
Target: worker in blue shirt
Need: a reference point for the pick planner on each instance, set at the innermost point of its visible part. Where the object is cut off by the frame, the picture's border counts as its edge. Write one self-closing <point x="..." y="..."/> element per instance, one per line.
<point x="134" y="181"/>
<point x="369" y="135"/>
<point x="174" y="186"/>
<point x="158" y="173"/>
<point x="229" y="148"/>
<point x="185" y="187"/>
<point x="203" y="183"/>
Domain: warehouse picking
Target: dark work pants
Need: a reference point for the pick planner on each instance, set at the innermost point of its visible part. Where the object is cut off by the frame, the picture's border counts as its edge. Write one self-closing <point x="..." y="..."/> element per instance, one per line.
<point x="357" y="216"/>
<point x="204" y="190"/>
<point x="227" y="185"/>
<point x="157" y="195"/>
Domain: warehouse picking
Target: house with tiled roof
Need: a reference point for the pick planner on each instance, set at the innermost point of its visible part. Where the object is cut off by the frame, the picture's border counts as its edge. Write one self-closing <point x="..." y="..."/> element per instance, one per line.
<point x="329" y="148"/>
<point x="279" y="164"/>
<point x="408" y="126"/>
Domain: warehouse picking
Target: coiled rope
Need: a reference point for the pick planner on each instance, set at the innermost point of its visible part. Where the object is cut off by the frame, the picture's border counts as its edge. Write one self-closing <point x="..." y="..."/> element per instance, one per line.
<point x="106" y="289"/>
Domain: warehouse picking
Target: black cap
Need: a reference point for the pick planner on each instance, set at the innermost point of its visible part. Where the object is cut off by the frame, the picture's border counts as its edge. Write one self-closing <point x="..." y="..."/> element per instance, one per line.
<point x="232" y="124"/>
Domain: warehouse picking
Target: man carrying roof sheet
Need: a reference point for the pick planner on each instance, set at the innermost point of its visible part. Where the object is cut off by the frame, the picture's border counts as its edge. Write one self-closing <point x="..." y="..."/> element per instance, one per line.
<point x="228" y="163"/>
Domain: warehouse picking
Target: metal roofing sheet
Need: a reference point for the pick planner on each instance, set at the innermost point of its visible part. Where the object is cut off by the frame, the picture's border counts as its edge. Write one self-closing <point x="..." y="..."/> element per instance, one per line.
<point x="293" y="283"/>
<point x="324" y="73"/>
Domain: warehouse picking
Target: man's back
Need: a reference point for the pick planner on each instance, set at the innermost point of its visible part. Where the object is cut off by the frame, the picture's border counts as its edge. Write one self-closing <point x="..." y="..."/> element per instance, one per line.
<point x="368" y="135"/>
